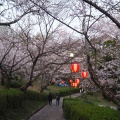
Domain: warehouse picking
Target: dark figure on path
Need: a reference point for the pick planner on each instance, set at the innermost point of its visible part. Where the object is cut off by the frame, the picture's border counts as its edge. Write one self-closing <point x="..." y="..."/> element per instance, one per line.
<point x="50" y="97"/>
<point x="57" y="99"/>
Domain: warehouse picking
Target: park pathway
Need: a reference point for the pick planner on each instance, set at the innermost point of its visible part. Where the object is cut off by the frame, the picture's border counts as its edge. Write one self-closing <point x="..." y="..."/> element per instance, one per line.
<point x="51" y="112"/>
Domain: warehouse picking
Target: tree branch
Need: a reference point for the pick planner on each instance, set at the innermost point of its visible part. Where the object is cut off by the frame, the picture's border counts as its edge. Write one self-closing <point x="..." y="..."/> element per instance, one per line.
<point x="103" y="11"/>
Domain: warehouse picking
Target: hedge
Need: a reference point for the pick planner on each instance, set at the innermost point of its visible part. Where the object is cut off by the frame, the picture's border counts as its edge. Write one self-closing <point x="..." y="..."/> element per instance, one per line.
<point x="10" y="98"/>
<point x="13" y="98"/>
<point x="32" y="95"/>
<point x="66" y="92"/>
<point x="15" y="84"/>
<point x="75" y="109"/>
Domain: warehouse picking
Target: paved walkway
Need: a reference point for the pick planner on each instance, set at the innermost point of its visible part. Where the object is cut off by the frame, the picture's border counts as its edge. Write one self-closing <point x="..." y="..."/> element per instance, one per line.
<point x="51" y="112"/>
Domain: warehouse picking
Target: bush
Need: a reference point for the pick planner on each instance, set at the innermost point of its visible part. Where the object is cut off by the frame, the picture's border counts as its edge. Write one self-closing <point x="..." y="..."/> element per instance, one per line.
<point x="75" y="109"/>
<point x="13" y="98"/>
<point x="15" y="85"/>
<point x="66" y="91"/>
<point x="32" y="95"/>
<point x="3" y="101"/>
<point x="10" y="98"/>
<point x="90" y="93"/>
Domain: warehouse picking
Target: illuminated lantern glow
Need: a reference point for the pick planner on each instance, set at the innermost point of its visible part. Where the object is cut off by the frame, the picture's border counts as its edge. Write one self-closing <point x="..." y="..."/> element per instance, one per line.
<point x="71" y="81"/>
<point x="62" y="82"/>
<point x="74" y="85"/>
<point x="53" y="81"/>
<point x="75" y="67"/>
<point x="84" y="74"/>
<point x="77" y="81"/>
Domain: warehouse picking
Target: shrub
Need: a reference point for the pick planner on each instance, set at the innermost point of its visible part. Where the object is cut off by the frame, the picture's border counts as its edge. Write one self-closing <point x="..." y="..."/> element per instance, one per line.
<point x="14" y="98"/>
<point x="66" y="91"/>
<point x="78" y="110"/>
<point x="32" y="95"/>
<point x="15" y="85"/>
<point x="90" y="93"/>
<point x="10" y="98"/>
<point x="3" y="101"/>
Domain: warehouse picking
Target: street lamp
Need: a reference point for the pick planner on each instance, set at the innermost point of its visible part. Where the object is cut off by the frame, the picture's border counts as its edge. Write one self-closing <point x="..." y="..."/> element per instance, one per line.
<point x="71" y="56"/>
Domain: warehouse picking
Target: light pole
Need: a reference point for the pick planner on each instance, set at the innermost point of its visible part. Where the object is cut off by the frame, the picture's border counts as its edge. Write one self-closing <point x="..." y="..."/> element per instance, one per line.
<point x="71" y="56"/>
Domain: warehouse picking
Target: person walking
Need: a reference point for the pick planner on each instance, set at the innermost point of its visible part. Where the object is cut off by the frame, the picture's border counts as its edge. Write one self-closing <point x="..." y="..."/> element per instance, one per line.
<point x="57" y="98"/>
<point x="50" y="97"/>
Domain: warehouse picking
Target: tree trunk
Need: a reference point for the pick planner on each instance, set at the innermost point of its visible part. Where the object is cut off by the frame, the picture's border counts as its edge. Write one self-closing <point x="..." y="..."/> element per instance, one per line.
<point x="106" y="92"/>
<point x="8" y="81"/>
<point x="43" y="87"/>
<point x="2" y="80"/>
<point x="24" y="88"/>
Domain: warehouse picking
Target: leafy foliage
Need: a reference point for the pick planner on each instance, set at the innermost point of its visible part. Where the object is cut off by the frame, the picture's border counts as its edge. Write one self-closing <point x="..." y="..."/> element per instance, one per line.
<point x="74" y="109"/>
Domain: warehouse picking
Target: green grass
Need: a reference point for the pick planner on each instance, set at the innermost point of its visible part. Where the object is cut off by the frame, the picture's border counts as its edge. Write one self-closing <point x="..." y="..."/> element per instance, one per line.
<point x="98" y="99"/>
<point x="52" y="88"/>
<point x="23" y="112"/>
<point x="55" y="88"/>
<point x="75" y="109"/>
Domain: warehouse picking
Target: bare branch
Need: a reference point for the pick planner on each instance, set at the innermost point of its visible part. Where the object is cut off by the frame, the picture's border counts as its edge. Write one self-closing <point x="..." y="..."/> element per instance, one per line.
<point x="103" y="11"/>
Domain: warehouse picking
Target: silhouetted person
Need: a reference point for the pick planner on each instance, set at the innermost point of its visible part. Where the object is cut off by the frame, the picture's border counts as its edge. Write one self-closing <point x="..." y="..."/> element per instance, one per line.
<point x="57" y="99"/>
<point x="50" y="97"/>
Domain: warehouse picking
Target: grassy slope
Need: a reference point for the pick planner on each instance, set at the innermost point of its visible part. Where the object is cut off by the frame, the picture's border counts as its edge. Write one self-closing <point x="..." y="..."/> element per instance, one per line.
<point x="98" y="99"/>
<point x="55" y="89"/>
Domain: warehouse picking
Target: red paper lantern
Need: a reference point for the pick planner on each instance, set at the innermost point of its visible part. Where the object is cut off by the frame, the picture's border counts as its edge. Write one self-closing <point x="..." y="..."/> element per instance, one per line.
<point x="71" y="81"/>
<point x="84" y="74"/>
<point x="75" y="67"/>
<point x="74" y="85"/>
<point x="77" y="81"/>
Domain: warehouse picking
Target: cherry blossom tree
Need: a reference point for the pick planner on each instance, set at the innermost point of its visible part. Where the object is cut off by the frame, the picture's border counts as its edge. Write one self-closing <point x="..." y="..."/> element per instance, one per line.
<point x="11" y="58"/>
<point x="46" y="50"/>
<point x="90" y="19"/>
